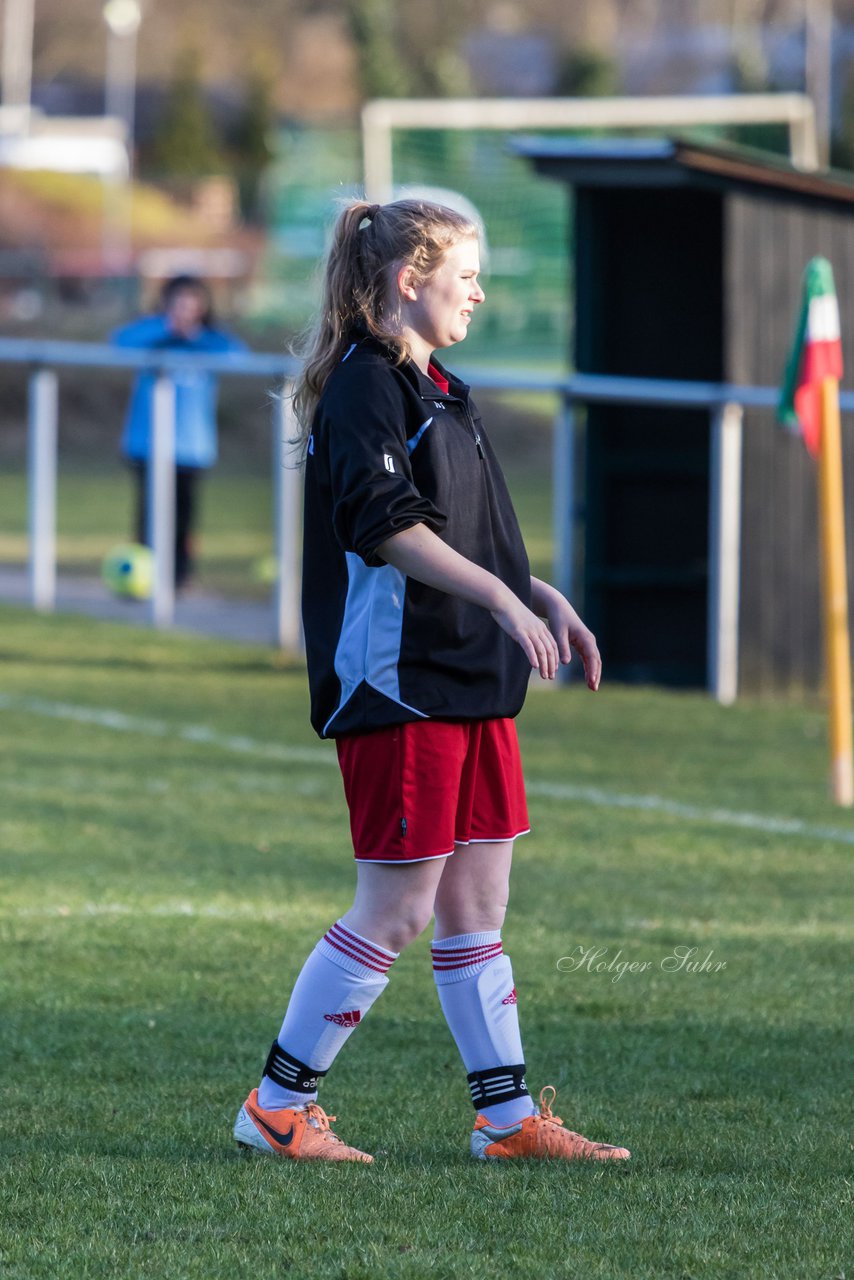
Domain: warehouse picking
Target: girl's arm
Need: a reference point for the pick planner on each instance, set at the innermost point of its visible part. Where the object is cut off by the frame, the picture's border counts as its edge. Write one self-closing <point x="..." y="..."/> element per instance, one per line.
<point x="420" y="554"/>
<point x="568" y="630"/>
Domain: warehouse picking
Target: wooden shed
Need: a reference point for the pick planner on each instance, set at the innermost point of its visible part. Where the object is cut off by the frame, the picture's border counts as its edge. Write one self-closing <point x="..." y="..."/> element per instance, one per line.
<point x="688" y="262"/>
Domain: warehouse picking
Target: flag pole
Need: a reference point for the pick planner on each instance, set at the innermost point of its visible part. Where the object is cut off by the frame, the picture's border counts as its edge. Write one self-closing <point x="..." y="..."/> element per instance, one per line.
<point x="835" y="594"/>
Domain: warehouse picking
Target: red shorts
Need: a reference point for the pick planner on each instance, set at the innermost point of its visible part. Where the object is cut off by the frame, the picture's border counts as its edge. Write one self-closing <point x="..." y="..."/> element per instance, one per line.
<point x="415" y="790"/>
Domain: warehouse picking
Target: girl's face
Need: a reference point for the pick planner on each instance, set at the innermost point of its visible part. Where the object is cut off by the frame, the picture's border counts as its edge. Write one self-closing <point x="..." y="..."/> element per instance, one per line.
<point x="438" y="313"/>
<point x="186" y="311"/>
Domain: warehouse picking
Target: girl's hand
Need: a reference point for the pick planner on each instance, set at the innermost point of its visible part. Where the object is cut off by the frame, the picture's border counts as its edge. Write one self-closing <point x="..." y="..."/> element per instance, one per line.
<point x="531" y="633"/>
<point x="421" y="554"/>
<point x="569" y="631"/>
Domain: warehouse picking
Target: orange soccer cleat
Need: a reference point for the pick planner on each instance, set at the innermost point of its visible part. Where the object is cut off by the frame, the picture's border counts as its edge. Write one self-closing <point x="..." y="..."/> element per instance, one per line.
<point x="293" y="1134"/>
<point x="538" y="1137"/>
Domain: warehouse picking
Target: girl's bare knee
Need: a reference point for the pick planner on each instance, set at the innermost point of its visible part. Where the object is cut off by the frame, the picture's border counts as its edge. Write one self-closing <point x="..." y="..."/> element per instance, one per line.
<point x="457" y="917"/>
<point x="392" y="925"/>
<point x="410" y="921"/>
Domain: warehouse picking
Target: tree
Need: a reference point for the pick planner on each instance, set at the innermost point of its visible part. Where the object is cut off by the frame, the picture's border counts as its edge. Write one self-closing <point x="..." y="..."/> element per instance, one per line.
<point x="252" y="136"/>
<point x="382" y="69"/>
<point x="842" y="143"/>
<point x="186" y="143"/>
<point x="586" y="73"/>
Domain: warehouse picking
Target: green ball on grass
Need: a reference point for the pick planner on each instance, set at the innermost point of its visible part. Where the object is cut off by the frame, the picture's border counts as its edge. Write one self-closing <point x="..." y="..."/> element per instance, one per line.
<point x="128" y="570"/>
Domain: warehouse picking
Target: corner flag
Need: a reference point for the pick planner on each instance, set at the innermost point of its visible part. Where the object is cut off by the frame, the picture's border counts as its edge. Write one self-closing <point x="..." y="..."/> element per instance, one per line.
<point x="810" y="400"/>
<point x="816" y="355"/>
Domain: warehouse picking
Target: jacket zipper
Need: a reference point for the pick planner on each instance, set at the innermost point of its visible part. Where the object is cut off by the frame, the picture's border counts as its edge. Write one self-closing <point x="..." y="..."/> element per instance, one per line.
<point x="475" y="435"/>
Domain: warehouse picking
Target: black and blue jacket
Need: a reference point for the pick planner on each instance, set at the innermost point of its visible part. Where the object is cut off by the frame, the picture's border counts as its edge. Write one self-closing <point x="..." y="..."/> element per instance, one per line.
<point x="389" y="450"/>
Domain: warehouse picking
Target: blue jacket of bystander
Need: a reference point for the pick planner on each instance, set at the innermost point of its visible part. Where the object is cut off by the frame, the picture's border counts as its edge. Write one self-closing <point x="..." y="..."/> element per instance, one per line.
<point x="195" y="392"/>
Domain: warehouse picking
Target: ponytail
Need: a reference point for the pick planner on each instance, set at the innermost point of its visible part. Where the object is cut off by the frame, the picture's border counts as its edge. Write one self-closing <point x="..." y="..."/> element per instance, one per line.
<point x="370" y="243"/>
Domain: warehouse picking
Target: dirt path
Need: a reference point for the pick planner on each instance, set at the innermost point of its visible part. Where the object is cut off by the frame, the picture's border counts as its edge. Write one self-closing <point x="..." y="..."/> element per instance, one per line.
<point x="247" y="621"/>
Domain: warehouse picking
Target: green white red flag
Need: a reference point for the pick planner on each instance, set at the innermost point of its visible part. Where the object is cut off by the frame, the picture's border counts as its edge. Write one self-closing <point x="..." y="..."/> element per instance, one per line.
<point x="815" y="355"/>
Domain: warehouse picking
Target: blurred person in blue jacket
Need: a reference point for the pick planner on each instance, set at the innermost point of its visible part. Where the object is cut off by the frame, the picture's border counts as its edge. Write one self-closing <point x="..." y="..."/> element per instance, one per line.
<point x="185" y="322"/>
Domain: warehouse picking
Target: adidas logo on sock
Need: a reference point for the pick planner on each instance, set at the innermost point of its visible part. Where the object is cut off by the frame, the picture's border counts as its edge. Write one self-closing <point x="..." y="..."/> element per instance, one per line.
<point x="511" y="999"/>
<point x="349" y="1019"/>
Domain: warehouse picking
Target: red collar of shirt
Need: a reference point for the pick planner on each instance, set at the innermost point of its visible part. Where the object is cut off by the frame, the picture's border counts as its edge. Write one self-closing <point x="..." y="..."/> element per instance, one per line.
<point x="440" y="381"/>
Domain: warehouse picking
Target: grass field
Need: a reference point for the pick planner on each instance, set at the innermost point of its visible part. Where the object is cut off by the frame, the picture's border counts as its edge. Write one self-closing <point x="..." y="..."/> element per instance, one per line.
<point x="94" y="513"/>
<point x="95" y="502"/>
<point x="173" y="842"/>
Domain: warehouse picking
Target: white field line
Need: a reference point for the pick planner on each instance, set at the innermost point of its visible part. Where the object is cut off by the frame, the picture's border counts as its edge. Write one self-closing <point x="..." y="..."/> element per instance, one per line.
<point x="106" y="718"/>
<point x="690" y="812"/>
<point x="166" y="910"/>
<point x="255" y="913"/>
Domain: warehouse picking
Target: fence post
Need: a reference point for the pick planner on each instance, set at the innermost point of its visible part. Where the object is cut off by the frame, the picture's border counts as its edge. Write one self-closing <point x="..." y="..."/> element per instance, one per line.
<point x="563" y="507"/>
<point x="42" y="435"/>
<point x="161" y="501"/>
<point x="287" y="502"/>
<point x="724" y="552"/>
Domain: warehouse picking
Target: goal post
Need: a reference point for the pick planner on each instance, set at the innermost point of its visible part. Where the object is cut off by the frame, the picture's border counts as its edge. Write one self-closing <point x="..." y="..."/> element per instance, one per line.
<point x="383" y="115"/>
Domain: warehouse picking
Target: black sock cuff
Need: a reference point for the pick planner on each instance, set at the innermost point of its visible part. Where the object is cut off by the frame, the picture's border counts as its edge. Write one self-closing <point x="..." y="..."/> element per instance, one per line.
<point x="290" y="1073"/>
<point x="497" y="1084"/>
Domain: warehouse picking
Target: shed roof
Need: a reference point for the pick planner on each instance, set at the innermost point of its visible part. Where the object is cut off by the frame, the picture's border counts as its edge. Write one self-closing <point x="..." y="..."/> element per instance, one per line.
<point x="678" y="162"/>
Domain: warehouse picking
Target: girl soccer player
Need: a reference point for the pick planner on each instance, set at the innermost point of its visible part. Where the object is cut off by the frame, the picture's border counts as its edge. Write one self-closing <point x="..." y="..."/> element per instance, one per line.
<point x="422" y="625"/>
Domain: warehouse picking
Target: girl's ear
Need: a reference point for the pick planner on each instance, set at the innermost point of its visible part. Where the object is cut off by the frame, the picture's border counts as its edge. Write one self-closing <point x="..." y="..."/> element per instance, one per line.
<point x="406" y="283"/>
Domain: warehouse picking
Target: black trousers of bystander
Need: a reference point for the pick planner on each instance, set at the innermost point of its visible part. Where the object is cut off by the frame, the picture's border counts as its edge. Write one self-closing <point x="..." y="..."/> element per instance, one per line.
<point x="186" y="502"/>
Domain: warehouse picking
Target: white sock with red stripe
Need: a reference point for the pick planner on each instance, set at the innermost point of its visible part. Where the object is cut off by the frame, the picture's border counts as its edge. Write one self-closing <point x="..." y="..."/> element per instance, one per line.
<point x="474" y="979"/>
<point x="336" y="987"/>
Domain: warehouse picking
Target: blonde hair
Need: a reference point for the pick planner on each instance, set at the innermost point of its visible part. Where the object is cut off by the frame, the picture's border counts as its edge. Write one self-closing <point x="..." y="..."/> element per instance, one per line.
<point x="357" y="283"/>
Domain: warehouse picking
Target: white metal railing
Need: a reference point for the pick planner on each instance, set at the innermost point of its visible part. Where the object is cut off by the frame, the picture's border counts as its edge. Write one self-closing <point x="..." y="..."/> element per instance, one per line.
<point x="45" y="356"/>
<point x="722" y="401"/>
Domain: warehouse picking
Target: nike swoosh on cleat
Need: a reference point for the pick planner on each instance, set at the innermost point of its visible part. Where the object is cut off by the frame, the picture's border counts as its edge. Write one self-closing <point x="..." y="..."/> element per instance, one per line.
<point x="284" y="1139"/>
<point x="499" y="1135"/>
